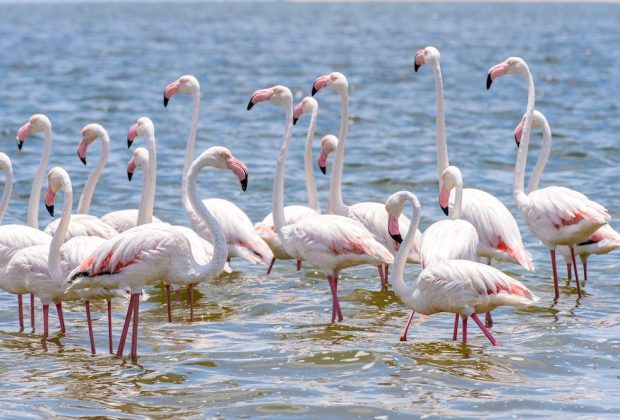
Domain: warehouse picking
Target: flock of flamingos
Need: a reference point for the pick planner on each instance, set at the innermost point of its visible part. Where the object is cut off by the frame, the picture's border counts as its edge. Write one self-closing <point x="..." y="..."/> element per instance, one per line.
<point x="85" y="257"/>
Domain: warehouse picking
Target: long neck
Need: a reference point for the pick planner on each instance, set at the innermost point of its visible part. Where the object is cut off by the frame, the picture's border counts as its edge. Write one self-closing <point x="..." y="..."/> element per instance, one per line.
<point x="458" y="202"/>
<point x="189" y="150"/>
<point x="58" y="239"/>
<point x="278" y="182"/>
<point x="6" y="194"/>
<point x="543" y="157"/>
<point x="440" y="122"/>
<point x="313" y="200"/>
<point x="91" y="184"/>
<point x="35" y="193"/>
<point x="519" y="180"/>
<point x="220" y="249"/>
<point x="335" y="204"/>
<point x="148" y="187"/>
<point x="145" y="214"/>
<point x="403" y="291"/>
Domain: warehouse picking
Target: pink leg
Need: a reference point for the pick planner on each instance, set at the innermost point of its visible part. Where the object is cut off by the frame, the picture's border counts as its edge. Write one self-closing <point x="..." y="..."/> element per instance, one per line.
<point x="61" y="318"/>
<point x="134" y="333"/>
<point x="488" y="320"/>
<point x="381" y="276"/>
<point x="90" y="327"/>
<point x="336" y="312"/>
<point x="555" y="275"/>
<point x="46" y="311"/>
<point x="32" y="311"/>
<point x="386" y="271"/>
<point x="110" y="326"/>
<point x="403" y="333"/>
<point x="298" y="265"/>
<point x="464" y="330"/>
<point x="569" y="270"/>
<point x="340" y="316"/>
<point x="572" y="254"/>
<point x="20" y="310"/>
<point x="168" y="303"/>
<point x="455" y="334"/>
<point x="484" y="330"/>
<point x="121" y="343"/>
<point x="190" y="292"/>
<point x="273" y="261"/>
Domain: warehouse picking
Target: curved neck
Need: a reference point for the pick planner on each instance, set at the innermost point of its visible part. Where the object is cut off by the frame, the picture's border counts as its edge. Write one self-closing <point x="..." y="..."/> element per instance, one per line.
<point x="543" y="157"/>
<point x="35" y="193"/>
<point x="519" y="179"/>
<point x="440" y="122"/>
<point x="335" y="205"/>
<point x="189" y="151"/>
<point x="313" y="200"/>
<point x="58" y="239"/>
<point x="91" y="184"/>
<point x="403" y="291"/>
<point x="145" y="214"/>
<point x="6" y="194"/>
<point x="458" y="202"/>
<point x="278" y="182"/>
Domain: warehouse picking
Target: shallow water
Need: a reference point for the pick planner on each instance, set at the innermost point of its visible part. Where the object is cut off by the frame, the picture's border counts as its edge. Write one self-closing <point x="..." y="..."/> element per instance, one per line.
<point x="263" y="346"/>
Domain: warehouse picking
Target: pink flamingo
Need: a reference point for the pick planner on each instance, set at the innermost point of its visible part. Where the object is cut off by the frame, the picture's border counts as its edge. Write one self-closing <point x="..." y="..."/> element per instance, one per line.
<point x="159" y="251"/>
<point x="557" y="215"/>
<point x="465" y="288"/>
<point x="329" y="242"/>
<point x="370" y="214"/>
<point x="243" y="241"/>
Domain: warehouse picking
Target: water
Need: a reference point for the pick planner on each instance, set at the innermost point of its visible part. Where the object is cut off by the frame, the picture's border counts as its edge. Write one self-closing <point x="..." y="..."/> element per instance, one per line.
<point x="263" y="346"/>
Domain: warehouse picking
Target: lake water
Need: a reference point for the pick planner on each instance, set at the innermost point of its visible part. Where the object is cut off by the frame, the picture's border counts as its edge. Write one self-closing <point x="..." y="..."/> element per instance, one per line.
<point x="263" y="346"/>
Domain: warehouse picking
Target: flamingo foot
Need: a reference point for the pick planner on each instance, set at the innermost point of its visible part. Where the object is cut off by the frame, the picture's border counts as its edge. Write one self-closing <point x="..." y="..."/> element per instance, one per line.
<point x="109" y="302"/>
<point x="61" y="318"/>
<point x="572" y="254"/>
<point x="90" y="327"/>
<point x="298" y="265"/>
<point x="121" y="343"/>
<point x="455" y="333"/>
<point x="46" y="311"/>
<point x="403" y="333"/>
<point x="20" y="310"/>
<point x="464" y="330"/>
<point x="273" y="261"/>
<point x="134" y="333"/>
<point x="488" y="320"/>
<point x="484" y="330"/>
<point x="555" y="275"/>
<point x="168" y="303"/>
<point x="32" y="311"/>
<point x="190" y="292"/>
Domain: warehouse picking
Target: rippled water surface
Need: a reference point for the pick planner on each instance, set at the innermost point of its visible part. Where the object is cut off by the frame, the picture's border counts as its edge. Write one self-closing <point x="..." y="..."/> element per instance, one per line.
<point x="263" y="346"/>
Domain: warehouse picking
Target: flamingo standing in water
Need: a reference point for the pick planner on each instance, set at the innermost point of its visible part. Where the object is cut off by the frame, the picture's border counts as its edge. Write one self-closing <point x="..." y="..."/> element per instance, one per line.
<point x="465" y="288"/>
<point x="452" y="239"/>
<point x="557" y="215"/>
<point x="604" y="240"/>
<point x="243" y="241"/>
<point x="158" y="251"/>
<point x="329" y="242"/>
<point x="370" y="214"/>
<point x="294" y="213"/>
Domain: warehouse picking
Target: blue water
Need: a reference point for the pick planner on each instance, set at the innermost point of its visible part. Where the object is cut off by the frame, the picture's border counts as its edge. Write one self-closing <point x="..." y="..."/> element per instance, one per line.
<point x="263" y="346"/>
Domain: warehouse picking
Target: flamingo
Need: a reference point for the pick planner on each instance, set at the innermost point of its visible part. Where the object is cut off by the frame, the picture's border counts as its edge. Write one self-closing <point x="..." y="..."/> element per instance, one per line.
<point x="158" y="251"/>
<point x="329" y="242"/>
<point x="498" y="232"/>
<point x="452" y="239"/>
<point x="604" y="240"/>
<point x="243" y="241"/>
<point x="266" y="229"/>
<point x="465" y="288"/>
<point x="370" y="214"/>
<point x="556" y="215"/>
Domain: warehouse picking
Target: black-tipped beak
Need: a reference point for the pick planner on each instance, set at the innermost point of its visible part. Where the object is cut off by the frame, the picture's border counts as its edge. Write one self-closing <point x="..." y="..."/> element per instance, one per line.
<point x="129" y="142"/>
<point x="398" y="238"/>
<point x="295" y="120"/>
<point x="314" y="90"/>
<point x="489" y="81"/>
<point x="416" y="67"/>
<point x="20" y="145"/>
<point x="83" y="159"/>
<point x="517" y="141"/>
<point x="444" y="209"/>
<point x="250" y="104"/>
<point x="129" y="175"/>
<point x="244" y="183"/>
<point x="323" y="169"/>
<point x="50" y="209"/>
<point x="165" y="101"/>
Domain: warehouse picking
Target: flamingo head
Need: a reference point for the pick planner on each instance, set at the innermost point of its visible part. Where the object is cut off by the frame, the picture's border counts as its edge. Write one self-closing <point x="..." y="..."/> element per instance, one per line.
<point x="187" y="84"/>
<point x="336" y="80"/>
<point x="538" y="120"/>
<point x="451" y="177"/>
<point x="139" y="159"/>
<point x="329" y="143"/>
<point x="36" y="123"/>
<point x="57" y="178"/>
<point x="512" y="65"/>
<point x="221" y="158"/>
<point x="394" y="207"/>
<point x="280" y="95"/>
<point x="5" y="163"/>
<point x="90" y="133"/>
<point x="308" y="105"/>
<point x="428" y="55"/>
<point x="142" y="128"/>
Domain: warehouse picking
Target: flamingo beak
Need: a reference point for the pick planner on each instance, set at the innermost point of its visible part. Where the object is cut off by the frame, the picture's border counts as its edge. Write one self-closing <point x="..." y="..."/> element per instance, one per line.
<point x="261" y="95"/>
<point x="49" y="201"/>
<point x="22" y="133"/>
<point x="394" y="229"/>
<point x="418" y="61"/>
<point x="320" y="83"/>
<point x="129" y="175"/>
<point x="131" y="167"/>
<point x="170" y="91"/>
<point x="518" y="133"/>
<point x="81" y="152"/>
<point x="240" y="170"/>
<point x="496" y="71"/>
<point x="132" y="134"/>
<point x="444" y="200"/>
<point x="297" y="113"/>
<point x="323" y="162"/>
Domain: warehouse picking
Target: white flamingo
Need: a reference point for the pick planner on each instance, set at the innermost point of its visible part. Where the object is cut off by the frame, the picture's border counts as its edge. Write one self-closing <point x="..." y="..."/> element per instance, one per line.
<point x="293" y="213"/>
<point x="243" y="241"/>
<point x="465" y="288"/>
<point x="158" y="251"/>
<point x="498" y="232"/>
<point x="557" y="215"/>
<point x="329" y="242"/>
<point x="370" y="214"/>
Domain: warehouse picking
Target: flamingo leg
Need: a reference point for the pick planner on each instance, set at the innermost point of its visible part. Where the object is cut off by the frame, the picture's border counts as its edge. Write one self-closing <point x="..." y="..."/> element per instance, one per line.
<point x="569" y="270"/>
<point x="32" y="311"/>
<point x="134" y="333"/>
<point x="555" y="275"/>
<point x="61" y="318"/>
<point x="572" y="254"/>
<point x="90" y="327"/>
<point x="168" y="303"/>
<point x="109" y="301"/>
<point x="298" y="265"/>
<point x="340" y="316"/>
<point x="121" y="343"/>
<point x="20" y="310"/>
<point x="46" y="311"/>
<point x="336" y="312"/>
<point x="488" y="320"/>
<point x="403" y="333"/>
<point x="381" y="276"/>
<point x="484" y="330"/>
<point x="273" y="261"/>
<point x="455" y="334"/>
<point x="464" y="330"/>
<point x="386" y="270"/>
<point x="190" y="292"/>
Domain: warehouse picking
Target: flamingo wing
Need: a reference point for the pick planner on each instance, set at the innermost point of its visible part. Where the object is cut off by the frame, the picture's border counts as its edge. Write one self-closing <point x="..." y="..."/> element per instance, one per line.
<point x="448" y="240"/>
<point x="122" y="220"/>
<point x="16" y="237"/>
<point x="267" y="231"/>
<point x="84" y="225"/>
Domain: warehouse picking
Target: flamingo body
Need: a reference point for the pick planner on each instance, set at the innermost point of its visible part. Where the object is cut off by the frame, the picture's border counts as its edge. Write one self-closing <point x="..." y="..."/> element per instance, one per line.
<point x="16" y="237"/>
<point x="122" y="220"/>
<point x="448" y="240"/>
<point x="84" y="225"/>
<point x="267" y="230"/>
